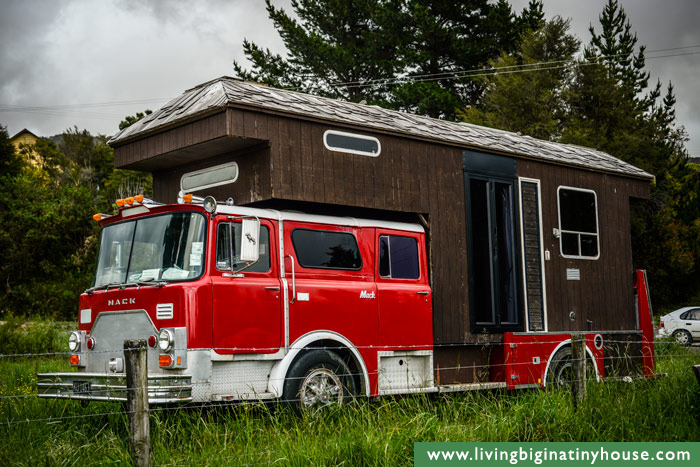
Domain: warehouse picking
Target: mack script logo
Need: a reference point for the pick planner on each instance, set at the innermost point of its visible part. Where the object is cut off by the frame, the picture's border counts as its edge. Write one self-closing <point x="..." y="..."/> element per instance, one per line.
<point x="123" y="301"/>
<point x="365" y="294"/>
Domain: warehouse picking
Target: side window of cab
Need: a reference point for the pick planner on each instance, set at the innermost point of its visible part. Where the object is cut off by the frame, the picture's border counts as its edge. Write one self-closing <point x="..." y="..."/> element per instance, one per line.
<point x="398" y="257"/>
<point x="228" y="248"/>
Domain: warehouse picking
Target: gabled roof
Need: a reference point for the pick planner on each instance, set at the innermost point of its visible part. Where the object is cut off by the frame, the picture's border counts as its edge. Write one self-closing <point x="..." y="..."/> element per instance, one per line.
<point x="227" y="91"/>
<point x="24" y="131"/>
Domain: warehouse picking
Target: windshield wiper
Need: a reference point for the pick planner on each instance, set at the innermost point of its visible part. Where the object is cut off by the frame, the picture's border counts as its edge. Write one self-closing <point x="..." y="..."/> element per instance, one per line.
<point x="155" y="282"/>
<point x="123" y="285"/>
<point x="104" y="286"/>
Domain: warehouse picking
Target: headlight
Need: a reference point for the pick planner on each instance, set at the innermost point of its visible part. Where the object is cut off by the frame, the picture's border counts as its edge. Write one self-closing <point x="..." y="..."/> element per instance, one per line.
<point x="74" y="341"/>
<point x="165" y="340"/>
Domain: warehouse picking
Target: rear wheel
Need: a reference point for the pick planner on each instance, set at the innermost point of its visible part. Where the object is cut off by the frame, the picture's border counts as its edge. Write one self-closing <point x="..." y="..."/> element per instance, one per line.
<point x="318" y="379"/>
<point x="683" y="337"/>
<point x="561" y="369"/>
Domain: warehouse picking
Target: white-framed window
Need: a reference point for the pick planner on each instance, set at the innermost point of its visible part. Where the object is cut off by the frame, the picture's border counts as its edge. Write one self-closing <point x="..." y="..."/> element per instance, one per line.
<point x="351" y="143"/>
<point x="578" y="223"/>
<point x="209" y="177"/>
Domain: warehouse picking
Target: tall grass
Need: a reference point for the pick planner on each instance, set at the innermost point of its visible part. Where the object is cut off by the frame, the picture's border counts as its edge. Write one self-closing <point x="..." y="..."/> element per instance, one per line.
<point x="19" y="335"/>
<point x="378" y="432"/>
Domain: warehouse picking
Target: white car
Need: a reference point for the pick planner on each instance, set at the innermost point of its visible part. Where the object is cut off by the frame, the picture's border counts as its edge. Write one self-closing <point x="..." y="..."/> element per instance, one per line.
<point x="682" y="324"/>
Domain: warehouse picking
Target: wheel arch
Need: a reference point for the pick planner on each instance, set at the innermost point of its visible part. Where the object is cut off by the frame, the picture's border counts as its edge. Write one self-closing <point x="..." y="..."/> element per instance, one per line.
<point x="560" y="346"/>
<point x="327" y="339"/>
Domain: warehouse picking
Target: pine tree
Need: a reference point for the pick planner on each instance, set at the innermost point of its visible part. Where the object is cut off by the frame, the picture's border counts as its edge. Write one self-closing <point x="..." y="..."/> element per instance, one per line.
<point x="402" y="54"/>
<point x="332" y="50"/>
<point x="526" y="96"/>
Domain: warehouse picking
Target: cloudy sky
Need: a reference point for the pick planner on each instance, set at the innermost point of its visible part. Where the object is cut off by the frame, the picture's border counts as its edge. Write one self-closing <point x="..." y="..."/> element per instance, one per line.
<point x="88" y="63"/>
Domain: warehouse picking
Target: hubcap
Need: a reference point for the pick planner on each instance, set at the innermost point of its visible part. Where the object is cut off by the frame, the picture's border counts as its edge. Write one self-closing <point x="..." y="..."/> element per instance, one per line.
<point x="682" y="338"/>
<point x="321" y="387"/>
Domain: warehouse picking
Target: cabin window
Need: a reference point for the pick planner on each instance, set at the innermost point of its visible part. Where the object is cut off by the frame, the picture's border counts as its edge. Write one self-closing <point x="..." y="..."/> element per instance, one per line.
<point x="351" y="143"/>
<point x="398" y="257"/>
<point x="578" y="223"/>
<point x="324" y="249"/>
<point x="228" y="252"/>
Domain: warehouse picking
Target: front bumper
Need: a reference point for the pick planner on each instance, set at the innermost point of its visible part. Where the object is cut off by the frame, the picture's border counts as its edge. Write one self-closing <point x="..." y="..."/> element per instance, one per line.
<point x="162" y="389"/>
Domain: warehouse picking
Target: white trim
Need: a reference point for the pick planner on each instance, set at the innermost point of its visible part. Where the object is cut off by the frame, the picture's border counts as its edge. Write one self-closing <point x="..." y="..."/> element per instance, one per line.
<point x="536" y="181"/>
<point x="351" y="135"/>
<point x="312" y="218"/>
<point x="554" y="352"/>
<point x="279" y="370"/>
<point x="597" y="226"/>
<point x="214" y="168"/>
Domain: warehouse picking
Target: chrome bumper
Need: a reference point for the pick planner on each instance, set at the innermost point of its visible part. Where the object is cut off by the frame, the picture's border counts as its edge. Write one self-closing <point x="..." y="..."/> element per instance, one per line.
<point x="162" y="389"/>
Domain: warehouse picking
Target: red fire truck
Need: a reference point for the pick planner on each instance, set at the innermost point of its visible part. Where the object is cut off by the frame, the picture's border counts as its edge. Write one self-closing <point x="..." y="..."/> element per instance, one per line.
<point x="241" y="303"/>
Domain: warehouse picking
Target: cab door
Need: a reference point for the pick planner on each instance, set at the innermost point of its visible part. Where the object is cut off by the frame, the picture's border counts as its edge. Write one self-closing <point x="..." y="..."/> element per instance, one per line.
<point x="329" y="275"/>
<point x="247" y="309"/>
<point x="403" y="290"/>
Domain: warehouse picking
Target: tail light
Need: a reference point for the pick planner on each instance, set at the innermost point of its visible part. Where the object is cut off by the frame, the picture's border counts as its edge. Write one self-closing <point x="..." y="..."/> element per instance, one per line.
<point x="661" y="324"/>
<point x="91" y="343"/>
<point x="152" y="341"/>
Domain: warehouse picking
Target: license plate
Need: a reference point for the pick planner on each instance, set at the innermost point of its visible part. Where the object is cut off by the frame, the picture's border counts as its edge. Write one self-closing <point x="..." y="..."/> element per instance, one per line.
<point x="81" y="387"/>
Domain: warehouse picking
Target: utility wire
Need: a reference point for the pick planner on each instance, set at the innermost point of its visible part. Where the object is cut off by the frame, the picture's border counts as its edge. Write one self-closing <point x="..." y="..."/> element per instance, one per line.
<point x="448" y="75"/>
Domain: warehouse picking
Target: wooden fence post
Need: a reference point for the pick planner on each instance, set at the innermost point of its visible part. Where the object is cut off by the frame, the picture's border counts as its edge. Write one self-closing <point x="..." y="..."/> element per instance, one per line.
<point x="136" y="365"/>
<point x="578" y="362"/>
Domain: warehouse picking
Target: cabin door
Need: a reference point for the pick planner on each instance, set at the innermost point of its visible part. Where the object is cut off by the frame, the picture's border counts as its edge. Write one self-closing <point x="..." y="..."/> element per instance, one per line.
<point x="494" y="247"/>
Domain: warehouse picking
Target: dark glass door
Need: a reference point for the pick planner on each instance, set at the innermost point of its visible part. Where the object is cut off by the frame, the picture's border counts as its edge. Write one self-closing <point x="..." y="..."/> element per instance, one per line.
<point x="493" y="265"/>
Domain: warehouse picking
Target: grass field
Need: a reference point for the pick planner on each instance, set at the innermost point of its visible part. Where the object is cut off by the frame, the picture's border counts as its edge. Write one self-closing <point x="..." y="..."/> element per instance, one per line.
<point x="364" y="433"/>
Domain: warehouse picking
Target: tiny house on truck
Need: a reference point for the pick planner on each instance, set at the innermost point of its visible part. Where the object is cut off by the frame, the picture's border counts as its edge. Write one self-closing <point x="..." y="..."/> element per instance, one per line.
<point x="413" y="254"/>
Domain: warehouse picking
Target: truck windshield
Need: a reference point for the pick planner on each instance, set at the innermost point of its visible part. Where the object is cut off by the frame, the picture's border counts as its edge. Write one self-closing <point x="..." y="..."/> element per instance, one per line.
<point x="161" y="248"/>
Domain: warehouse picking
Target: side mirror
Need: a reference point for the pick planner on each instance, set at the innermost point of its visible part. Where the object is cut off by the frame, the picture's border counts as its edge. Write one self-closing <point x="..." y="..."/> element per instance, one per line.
<point x="250" y="239"/>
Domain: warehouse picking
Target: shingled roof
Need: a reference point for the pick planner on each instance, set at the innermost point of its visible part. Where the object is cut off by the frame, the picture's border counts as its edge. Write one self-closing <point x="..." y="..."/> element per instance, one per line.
<point x="227" y="91"/>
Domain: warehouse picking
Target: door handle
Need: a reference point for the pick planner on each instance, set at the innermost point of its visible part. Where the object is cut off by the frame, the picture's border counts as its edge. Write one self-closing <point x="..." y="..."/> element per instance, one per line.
<point x="272" y="287"/>
<point x="423" y="292"/>
<point x="294" y="284"/>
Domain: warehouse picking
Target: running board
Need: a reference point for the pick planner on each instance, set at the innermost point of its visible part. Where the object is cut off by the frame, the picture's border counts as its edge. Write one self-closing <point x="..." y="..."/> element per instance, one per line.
<point x="471" y="387"/>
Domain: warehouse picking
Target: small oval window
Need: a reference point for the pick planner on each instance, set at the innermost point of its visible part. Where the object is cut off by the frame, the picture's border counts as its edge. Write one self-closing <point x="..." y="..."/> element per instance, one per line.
<point x="351" y="143"/>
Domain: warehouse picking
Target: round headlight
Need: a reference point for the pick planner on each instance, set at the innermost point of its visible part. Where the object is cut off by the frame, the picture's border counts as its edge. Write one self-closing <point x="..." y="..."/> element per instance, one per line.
<point x="165" y="340"/>
<point x="74" y="341"/>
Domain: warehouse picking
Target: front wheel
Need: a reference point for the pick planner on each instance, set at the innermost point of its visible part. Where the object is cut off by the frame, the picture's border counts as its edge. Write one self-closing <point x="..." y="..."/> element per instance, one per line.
<point x="318" y="379"/>
<point x="683" y="337"/>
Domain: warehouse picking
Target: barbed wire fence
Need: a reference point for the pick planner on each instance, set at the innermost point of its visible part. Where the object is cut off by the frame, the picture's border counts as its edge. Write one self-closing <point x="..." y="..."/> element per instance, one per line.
<point x="8" y="399"/>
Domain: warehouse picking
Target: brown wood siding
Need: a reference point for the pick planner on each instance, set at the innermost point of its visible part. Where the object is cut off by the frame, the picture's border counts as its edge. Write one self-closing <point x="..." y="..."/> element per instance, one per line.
<point x="189" y="134"/>
<point x="603" y="299"/>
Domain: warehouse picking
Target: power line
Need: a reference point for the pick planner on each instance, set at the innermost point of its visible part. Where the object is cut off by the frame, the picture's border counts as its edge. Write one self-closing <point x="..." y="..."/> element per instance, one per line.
<point x="64" y="109"/>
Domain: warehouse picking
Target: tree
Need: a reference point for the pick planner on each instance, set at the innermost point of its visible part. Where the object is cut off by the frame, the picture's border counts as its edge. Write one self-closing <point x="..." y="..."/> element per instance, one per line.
<point x="10" y="163"/>
<point x="402" y="54"/>
<point x="526" y="96"/>
<point x="611" y="107"/>
<point x="131" y="119"/>
<point x="334" y="41"/>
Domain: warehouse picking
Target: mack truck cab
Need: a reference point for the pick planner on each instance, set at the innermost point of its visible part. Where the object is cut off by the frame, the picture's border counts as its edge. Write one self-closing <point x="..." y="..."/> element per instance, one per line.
<point x="240" y="303"/>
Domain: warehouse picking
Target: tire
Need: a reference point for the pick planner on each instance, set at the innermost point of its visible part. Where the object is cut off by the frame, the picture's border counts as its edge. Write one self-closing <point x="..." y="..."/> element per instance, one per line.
<point x="561" y="369"/>
<point x="682" y="336"/>
<point x="318" y="379"/>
